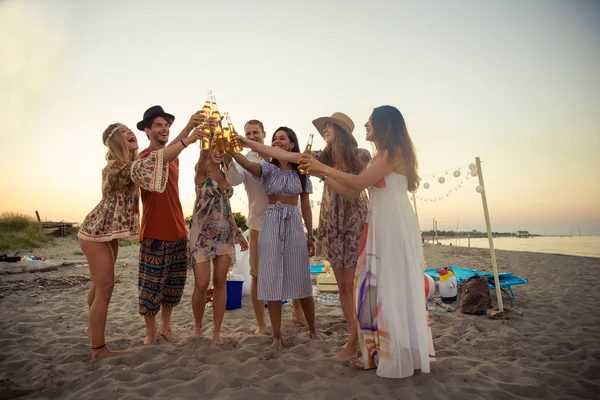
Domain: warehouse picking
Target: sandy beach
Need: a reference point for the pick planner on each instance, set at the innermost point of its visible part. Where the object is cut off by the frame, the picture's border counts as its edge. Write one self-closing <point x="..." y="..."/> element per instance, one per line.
<point x="549" y="348"/>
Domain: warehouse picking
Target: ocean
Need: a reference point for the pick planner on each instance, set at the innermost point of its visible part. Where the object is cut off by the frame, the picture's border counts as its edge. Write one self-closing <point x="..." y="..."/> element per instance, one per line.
<point x="588" y="246"/>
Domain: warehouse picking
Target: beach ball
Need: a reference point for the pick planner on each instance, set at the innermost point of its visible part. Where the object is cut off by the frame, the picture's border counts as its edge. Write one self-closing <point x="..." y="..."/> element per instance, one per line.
<point x="448" y="285"/>
<point x="426" y="186"/>
<point x="441" y="179"/>
<point x="479" y="189"/>
<point x="474" y="172"/>
<point x="456" y="173"/>
<point x="429" y="287"/>
<point x="472" y="166"/>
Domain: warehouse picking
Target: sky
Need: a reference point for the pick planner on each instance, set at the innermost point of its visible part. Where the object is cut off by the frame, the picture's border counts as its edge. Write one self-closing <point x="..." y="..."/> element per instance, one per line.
<point x="516" y="83"/>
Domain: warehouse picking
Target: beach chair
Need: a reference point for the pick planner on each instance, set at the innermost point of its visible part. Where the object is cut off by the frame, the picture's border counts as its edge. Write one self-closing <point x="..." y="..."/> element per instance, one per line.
<point x="507" y="279"/>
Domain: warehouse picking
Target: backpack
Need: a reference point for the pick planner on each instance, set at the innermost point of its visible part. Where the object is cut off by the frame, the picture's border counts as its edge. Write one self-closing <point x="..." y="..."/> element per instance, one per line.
<point x="475" y="296"/>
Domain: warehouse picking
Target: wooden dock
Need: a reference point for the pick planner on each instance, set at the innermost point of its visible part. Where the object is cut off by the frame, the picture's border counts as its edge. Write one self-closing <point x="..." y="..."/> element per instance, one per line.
<point x="63" y="227"/>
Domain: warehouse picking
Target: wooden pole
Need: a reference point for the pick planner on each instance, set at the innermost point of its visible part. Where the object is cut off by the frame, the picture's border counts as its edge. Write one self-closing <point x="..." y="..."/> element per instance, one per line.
<point x="490" y="238"/>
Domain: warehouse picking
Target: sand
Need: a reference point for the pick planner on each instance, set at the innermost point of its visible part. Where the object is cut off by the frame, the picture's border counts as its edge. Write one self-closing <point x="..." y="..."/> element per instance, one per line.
<point x="550" y="351"/>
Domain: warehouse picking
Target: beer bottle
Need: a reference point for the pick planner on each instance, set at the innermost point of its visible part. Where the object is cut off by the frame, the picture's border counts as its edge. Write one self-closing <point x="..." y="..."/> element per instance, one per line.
<point x="218" y="137"/>
<point x="308" y="150"/>
<point x="235" y="144"/>
<point x="206" y="112"/>
<point x="215" y="111"/>
<point x="227" y="134"/>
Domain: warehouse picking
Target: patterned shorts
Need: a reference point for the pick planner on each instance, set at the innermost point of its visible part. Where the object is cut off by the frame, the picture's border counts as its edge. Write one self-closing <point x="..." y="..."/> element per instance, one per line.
<point x="162" y="274"/>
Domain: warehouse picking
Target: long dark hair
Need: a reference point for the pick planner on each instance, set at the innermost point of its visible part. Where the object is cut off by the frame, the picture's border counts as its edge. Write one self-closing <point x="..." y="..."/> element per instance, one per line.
<point x="296" y="149"/>
<point x="391" y="135"/>
<point x="343" y="146"/>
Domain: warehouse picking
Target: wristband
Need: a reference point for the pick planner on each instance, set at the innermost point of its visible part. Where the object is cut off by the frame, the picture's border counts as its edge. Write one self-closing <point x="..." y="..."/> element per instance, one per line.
<point x="183" y="143"/>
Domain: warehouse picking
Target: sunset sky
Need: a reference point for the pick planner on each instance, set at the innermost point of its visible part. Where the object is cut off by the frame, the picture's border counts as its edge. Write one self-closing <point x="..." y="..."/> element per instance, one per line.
<point x="516" y="83"/>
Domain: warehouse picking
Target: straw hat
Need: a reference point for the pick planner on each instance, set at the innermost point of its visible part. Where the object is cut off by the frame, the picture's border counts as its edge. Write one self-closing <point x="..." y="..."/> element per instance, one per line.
<point x="338" y="118"/>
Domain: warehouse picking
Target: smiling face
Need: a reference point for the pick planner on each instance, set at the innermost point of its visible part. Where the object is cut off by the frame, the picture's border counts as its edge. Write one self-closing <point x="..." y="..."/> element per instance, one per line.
<point x="282" y="140"/>
<point x="215" y="157"/>
<point x="329" y="132"/>
<point x="255" y="133"/>
<point x="121" y="143"/>
<point x="158" y="132"/>
<point x="129" y="138"/>
<point x="370" y="131"/>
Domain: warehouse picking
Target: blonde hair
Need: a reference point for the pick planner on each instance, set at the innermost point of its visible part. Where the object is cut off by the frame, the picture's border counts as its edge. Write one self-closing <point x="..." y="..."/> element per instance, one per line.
<point x="116" y="144"/>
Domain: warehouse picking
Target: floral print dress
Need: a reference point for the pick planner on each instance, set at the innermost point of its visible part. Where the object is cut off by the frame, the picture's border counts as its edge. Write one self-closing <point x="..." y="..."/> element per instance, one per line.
<point x="117" y="216"/>
<point x="341" y="222"/>
<point x="213" y="228"/>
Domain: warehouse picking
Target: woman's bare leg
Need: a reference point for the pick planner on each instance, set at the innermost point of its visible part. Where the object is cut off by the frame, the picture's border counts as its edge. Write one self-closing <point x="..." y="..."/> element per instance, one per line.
<point x="114" y="245"/>
<point x="345" y="282"/>
<point x="308" y="307"/>
<point x="101" y="261"/>
<point x="275" y="316"/>
<point x="298" y="316"/>
<point x="221" y="267"/>
<point x="201" y="280"/>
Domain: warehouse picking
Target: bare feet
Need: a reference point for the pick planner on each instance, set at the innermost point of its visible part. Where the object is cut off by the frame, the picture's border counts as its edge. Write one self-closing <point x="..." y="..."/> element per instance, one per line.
<point x="216" y="338"/>
<point x="167" y="334"/>
<point x="314" y="335"/>
<point x="261" y="330"/>
<point x="356" y="363"/>
<point x="277" y="345"/>
<point x="150" y="339"/>
<point x="299" y="319"/>
<point x="104" y="352"/>
<point x="346" y="354"/>
<point x="198" y="330"/>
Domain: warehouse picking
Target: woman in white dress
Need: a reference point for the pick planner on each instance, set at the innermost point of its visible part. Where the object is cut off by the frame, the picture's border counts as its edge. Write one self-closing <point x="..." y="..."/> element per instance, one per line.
<point x="391" y="309"/>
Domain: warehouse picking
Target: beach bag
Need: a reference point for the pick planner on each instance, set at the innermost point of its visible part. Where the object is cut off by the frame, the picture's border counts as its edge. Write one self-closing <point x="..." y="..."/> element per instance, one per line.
<point x="475" y="296"/>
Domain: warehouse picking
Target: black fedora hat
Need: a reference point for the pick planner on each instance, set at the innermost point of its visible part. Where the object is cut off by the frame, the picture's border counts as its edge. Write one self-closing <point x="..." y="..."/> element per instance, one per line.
<point x="153" y="112"/>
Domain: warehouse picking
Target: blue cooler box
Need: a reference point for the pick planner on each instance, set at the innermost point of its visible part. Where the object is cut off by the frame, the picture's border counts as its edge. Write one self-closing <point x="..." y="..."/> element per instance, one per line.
<point x="234" y="292"/>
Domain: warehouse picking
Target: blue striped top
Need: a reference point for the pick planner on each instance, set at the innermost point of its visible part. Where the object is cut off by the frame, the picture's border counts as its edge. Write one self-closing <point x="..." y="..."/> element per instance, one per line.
<point x="282" y="182"/>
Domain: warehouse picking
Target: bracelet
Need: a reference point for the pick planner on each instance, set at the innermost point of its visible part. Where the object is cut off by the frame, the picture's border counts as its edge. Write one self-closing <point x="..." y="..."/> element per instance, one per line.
<point x="183" y="143"/>
<point x="323" y="178"/>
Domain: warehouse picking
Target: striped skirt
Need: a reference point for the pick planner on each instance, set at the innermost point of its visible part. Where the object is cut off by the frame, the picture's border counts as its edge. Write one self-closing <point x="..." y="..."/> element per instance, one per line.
<point x="283" y="261"/>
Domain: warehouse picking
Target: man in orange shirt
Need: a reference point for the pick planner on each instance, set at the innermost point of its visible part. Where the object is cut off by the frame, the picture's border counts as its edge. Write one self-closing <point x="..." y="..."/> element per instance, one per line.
<point x="163" y="234"/>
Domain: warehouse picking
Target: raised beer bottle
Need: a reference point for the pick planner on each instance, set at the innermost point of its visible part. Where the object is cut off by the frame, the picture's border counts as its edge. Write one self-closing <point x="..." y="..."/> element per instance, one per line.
<point x="218" y="137"/>
<point x="219" y="140"/>
<point x="308" y="150"/>
<point x="206" y="112"/>
<point x="215" y="111"/>
<point x="235" y="144"/>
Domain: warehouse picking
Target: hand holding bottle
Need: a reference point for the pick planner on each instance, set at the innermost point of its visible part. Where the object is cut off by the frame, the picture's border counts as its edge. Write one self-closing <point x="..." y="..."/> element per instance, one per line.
<point x="205" y="138"/>
<point x="311" y="166"/>
<point x="195" y="120"/>
<point x="245" y="142"/>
